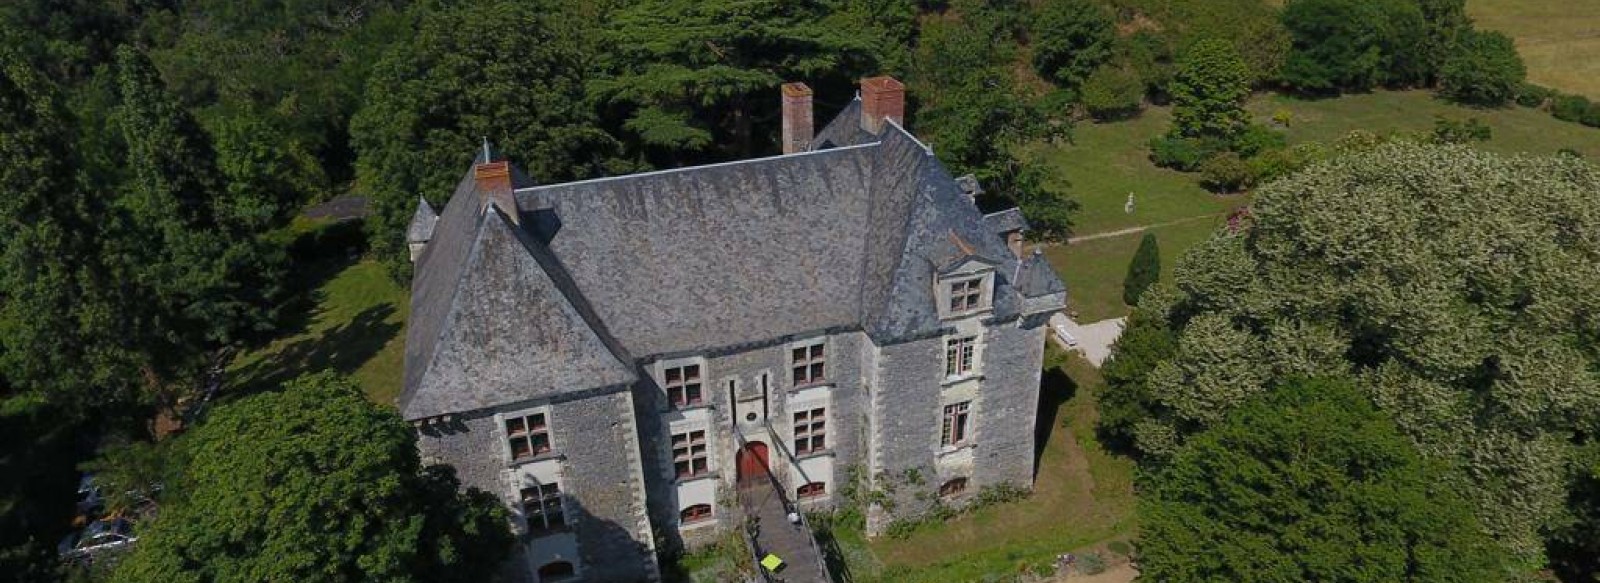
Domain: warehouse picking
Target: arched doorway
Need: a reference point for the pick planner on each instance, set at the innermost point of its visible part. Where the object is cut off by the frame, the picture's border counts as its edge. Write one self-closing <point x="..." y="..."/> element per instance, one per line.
<point x="753" y="462"/>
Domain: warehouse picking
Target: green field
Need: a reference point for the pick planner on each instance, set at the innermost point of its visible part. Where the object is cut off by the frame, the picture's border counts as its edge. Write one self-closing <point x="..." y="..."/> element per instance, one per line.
<point x="1083" y="499"/>
<point x="1559" y="39"/>
<point x="350" y="318"/>
<point x="1093" y="270"/>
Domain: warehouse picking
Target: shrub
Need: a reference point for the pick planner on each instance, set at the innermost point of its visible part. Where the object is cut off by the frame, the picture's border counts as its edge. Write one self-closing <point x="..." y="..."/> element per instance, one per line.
<point x="1531" y="95"/>
<point x="1256" y="139"/>
<point x="1570" y="152"/>
<point x="1092" y="564"/>
<point x="1449" y="131"/>
<point x="1224" y="172"/>
<point x="1209" y="90"/>
<point x="1569" y="107"/>
<point x="1483" y="68"/>
<point x="1184" y="154"/>
<point x="1143" y="272"/>
<point x="1272" y="164"/>
<point x="1591" y="116"/>
<point x="1113" y="93"/>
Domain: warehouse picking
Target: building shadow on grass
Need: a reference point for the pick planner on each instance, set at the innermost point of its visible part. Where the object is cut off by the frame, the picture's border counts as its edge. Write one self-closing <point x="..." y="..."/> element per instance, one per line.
<point x="1055" y="389"/>
<point x="343" y="349"/>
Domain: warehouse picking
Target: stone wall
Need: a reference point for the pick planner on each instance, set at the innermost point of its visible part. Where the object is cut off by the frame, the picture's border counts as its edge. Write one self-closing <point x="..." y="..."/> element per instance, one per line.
<point x="905" y="434"/>
<point x="1012" y="357"/>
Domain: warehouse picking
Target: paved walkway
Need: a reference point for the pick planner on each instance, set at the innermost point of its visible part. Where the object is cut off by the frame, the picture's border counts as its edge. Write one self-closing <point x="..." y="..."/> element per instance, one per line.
<point x="774" y="534"/>
<point x="1093" y="340"/>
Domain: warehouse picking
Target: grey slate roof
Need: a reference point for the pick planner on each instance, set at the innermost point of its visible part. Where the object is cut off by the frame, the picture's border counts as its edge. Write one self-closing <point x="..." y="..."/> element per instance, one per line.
<point x="1037" y="278"/>
<point x="683" y="261"/>
<point x="421" y="229"/>
<point x="1006" y="221"/>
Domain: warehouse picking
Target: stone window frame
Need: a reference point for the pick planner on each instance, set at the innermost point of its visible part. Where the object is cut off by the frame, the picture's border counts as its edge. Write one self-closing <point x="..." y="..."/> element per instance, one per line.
<point x="663" y="371"/>
<point x="811" y="428"/>
<point x="538" y="522"/>
<point x="696" y="514"/>
<point x="689" y="452"/>
<point x="507" y="438"/>
<point x="955" y="426"/>
<point x="811" y="490"/>
<point x="962" y="355"/>
<point x="808" y="362"/>
<point x="976" y="300"/>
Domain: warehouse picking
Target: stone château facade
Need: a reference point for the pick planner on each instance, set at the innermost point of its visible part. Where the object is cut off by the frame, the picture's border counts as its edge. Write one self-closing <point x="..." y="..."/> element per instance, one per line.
<point x="615" y="357"/>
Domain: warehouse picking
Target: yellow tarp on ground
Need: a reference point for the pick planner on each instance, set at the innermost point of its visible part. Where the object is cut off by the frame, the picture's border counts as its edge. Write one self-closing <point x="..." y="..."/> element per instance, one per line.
<point x="771" y="562"/>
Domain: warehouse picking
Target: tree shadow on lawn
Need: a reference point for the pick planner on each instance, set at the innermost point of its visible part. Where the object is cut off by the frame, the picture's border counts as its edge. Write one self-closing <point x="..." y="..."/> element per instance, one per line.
<point x="343" y="349"/>
<point x="1055" y="389"/>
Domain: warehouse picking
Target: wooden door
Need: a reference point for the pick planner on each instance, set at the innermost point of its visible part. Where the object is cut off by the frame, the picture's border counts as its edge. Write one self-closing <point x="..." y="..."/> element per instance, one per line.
<point x="753" y="462"/>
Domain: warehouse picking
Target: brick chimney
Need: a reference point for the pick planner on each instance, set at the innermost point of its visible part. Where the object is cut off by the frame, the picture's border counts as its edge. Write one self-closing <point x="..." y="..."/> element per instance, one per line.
<point x="797" y="126"/>
<point x="494" y="184"/>
<point x="882" y="98"/>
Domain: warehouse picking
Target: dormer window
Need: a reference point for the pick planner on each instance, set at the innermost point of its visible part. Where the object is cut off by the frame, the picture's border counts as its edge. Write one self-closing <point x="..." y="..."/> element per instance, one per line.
<point x="966" y="295"/>
<point x="683" y="385"/>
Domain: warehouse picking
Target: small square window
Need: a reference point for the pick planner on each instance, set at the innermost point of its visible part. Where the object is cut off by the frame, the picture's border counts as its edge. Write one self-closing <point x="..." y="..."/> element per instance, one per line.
<point x="959" y="355"/>
<point x="809" y="364"/>
<point x="810" y="431"/>
<point x="954" y="430"/>
<point x="966" y="295"/>
<point x="528" y="435"/>
<point x="683" y="386"/>
<point x="543" y="509"/>
<point x="689" y="454"/>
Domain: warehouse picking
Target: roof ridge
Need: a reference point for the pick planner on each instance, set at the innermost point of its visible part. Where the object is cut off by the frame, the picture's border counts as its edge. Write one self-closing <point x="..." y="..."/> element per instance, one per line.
<point x="693" y="168"/>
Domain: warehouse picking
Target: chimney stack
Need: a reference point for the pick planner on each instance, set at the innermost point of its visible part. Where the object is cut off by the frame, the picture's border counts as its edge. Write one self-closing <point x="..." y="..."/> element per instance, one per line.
<point x="882" y="98"/>
<point x="797" y="126"/>
<point x="494" y="184"/>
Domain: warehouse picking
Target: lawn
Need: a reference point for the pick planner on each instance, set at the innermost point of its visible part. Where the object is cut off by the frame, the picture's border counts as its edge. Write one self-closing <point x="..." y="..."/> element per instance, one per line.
<point x="348" y="317"/>
<point x="1082" y="499"/>
<point x="1516" y="129"/>
<point x="1093" y="270"/>
<point x="1106" y="161"/>
<point x="1559" y="39"/>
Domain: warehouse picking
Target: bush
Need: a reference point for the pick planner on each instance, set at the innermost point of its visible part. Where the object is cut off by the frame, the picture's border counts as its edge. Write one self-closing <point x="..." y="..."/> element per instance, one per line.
<point x="1184" y="154"/>
<point x="1256" y="139"/>
<point x="1113" y="93"/>
<point x="1272" y="164"/>
<point x="1570" y="107"/>
<point x="1591" y="116"/>
<point x="1225" y="172"/>
<point x="1092" y="564"/>
<point x="1530" y="95"/>
<point x="1483" y="69"/>
<point x="1449" y="131"/>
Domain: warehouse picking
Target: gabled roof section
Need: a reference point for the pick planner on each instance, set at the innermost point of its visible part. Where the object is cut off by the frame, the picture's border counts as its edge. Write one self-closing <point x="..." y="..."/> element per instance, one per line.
<point x="422" y="223"/>
<point x="509" y="333"/>
<point x="845" y="129"/>
<point x="1036" y="278"/>
<point x="1006" y="221"/>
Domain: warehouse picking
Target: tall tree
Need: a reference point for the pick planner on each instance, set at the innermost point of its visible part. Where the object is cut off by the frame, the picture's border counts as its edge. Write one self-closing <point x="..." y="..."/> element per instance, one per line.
<point x="511" y="71"/>
<point x="1457" y="288"/>
<point x="1070" y="39"/>
<point x="1483" y="68"/>
<point x="1308" y="483"/>
<point x="1354" y="44"/>
<point x="1208" y="92"/>
<point x="696" y="76"/>
<point x="315" y="484"/>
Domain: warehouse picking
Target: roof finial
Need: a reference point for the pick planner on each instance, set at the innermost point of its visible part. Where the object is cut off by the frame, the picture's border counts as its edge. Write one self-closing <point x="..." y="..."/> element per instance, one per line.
<point x="486" y="150"/>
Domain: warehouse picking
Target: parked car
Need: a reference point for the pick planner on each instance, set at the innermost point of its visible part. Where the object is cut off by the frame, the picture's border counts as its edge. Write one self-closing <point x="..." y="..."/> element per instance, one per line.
<point x="90" y="502"/>
<point x="101" y="537"/>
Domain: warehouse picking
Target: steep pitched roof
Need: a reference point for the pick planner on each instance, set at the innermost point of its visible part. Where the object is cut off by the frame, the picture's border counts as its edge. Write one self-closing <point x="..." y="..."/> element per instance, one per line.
<point x="421" y="229"/>
<point x="488" y="324"/>
<point x="1036" y="278"/>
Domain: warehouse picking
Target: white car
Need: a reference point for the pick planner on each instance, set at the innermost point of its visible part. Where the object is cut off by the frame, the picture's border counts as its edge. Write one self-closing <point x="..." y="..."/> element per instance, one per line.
<point x="100" y="537"/>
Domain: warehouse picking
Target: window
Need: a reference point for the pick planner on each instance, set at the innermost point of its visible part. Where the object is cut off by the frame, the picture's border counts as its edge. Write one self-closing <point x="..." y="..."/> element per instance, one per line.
<point x="689" y="454"/>
<point x="808" y="365"/>
<point x="695" y="514"/>
<point x="541" y="505"/>
<point x="529" y="435"/>
<point x="958" y="355"/>
<point x="966" y="295"/>
<point x="557" y="571"/>
<point x="953" y="487"/>
<point x="954" y="431"/>
<point x="811" y="490"/>
<point x="683" y="385"/>
<point x="810" y="431"/>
